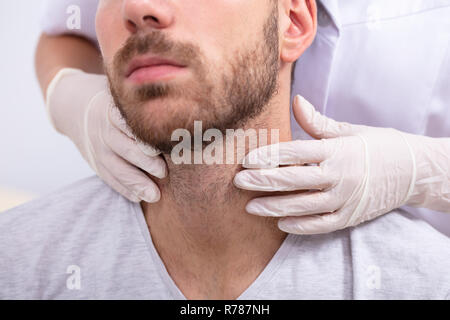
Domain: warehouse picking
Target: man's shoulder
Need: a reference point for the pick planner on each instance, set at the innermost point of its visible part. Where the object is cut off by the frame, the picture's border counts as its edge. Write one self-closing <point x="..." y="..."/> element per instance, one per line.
<point x="87" y="226"/>
<point x="399" y="228"/>
<point x="405" y="251"/>
<point x="79" y="193"/>
<point x="77" y="203"/>
<point x="396" y="256"/>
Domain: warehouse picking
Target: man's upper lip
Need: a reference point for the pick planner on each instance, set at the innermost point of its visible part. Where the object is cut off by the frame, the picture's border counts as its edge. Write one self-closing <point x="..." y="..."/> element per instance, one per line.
<point x="142" y="62"/>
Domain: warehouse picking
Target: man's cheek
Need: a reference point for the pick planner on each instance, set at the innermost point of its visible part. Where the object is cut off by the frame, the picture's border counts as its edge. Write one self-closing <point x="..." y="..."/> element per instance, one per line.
<point x="104" y="42"/>
<point x="108" y="34"/>
<point x="100" y="26"/>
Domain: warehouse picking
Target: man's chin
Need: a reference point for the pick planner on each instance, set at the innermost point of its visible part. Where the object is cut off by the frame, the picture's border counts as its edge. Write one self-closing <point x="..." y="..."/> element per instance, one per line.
<point x="156" y="122"/>
<point x="168" y="112"/>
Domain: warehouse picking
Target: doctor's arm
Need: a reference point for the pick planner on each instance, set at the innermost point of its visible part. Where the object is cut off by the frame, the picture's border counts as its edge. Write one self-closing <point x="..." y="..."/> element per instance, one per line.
<point x="348" y="175"/>
<point x="55" y="53"/>
<point x="79" y="106"/>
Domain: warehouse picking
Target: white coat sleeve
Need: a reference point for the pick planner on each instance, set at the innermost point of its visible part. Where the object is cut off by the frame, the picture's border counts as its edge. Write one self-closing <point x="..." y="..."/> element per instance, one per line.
<point x="69" y="17"/>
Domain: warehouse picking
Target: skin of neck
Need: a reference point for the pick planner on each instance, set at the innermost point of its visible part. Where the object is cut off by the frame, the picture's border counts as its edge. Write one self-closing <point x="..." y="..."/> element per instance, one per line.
<point x="211" y="247"/>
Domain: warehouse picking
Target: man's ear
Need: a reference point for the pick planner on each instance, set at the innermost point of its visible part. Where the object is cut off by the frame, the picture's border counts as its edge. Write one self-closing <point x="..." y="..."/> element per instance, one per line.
<point x="298" y="23"/>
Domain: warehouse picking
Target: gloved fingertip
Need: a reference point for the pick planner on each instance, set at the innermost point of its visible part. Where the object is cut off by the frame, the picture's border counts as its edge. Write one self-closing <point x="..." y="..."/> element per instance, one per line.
<point x="134" y="199"/>
<point x="286" y="226"/>
<point x="159" y="171"/>
<point x="306" y="107"/>
<point x="257" y="209"/>
<point x="152" y="195"/>
<point x="266" y="157"/>
<point x="251" y="207"/>
<point x="148" y="150"/>
<point x="240" y="180"/>
<point x="297" y="100"/>
<point x="164" y="172"/>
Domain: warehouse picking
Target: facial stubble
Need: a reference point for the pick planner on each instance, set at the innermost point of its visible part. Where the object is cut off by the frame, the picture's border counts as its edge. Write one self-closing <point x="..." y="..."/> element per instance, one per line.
<point x="227" y="101"/>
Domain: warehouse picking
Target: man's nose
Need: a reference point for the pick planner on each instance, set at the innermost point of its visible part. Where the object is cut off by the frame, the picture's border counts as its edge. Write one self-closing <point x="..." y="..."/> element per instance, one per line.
<point x="144" y="15"/>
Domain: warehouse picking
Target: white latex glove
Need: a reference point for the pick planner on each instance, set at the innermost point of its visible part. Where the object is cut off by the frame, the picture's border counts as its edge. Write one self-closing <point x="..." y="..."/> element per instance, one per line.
<point x="81" y="107"/>
<point x="354" y="174"/>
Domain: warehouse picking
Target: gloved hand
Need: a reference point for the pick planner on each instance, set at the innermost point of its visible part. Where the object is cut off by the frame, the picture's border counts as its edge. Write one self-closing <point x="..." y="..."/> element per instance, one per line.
<point x="81" y="107"/>
<point x="354" y="174"/>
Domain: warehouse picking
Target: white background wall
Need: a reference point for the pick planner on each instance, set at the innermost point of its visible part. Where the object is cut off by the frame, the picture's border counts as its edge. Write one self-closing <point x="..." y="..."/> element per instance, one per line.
<point x="34" y="158"/>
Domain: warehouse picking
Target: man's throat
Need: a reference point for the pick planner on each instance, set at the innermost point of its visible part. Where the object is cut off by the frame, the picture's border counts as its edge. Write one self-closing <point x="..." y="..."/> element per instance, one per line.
<point x="210" y="246"/>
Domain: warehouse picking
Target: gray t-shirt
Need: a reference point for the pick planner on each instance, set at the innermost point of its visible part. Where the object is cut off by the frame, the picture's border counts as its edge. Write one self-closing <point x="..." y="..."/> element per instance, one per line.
<point x="88" y="242"/>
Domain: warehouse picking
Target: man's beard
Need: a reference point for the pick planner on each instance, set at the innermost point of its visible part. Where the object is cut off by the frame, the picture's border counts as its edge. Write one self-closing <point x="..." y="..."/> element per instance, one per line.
<point x="226" y="101"/>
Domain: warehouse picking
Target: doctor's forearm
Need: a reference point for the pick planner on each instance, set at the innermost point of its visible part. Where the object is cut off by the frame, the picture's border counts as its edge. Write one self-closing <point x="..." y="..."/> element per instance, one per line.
<point x="54" y="53"/>
<point x="432" y="186"/>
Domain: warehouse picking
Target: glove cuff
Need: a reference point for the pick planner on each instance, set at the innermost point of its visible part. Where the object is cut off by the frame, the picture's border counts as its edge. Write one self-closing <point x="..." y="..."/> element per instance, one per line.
<point x="414" y="168"/>
<point x="51" y="90"/>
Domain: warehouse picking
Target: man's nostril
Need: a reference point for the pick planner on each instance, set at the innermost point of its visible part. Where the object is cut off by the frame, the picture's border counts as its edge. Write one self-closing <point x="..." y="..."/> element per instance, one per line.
<point x="131" y="25"/>
<point x="146" y="18"/>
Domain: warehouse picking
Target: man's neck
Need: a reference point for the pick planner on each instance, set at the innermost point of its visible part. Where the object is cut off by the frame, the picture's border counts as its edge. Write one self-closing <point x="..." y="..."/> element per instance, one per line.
<point x="210" y="246"/>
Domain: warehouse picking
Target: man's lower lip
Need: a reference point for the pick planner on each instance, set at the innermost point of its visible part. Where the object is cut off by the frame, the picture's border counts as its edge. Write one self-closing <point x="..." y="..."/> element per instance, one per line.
<point x="154" y="73"/>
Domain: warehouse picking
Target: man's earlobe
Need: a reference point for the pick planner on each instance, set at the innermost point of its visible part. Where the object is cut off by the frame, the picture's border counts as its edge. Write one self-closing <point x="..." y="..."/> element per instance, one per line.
<point x="300" y="28"/>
